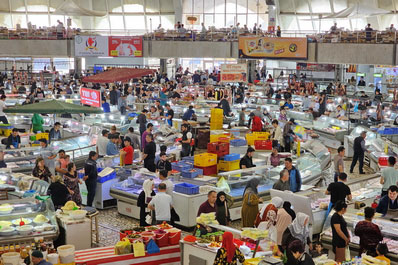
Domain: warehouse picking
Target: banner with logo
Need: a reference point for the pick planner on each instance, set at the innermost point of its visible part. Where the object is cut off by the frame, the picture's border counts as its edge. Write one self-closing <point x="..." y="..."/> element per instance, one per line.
<point x="90" y="97"/>
<point x="316" y="67"/>
<point x="125" y="46"/>
<point x="91" y="46"/>
<point x="266" y="47"/>
<point x="233" y="73"/>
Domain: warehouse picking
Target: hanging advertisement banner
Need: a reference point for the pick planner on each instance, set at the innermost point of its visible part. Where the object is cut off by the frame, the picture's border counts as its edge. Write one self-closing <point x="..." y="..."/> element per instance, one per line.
<point x="91" y="46"/>
<point x="233" y="73"/>
<point x="125" y="46"/>
<point x="266" y="47"/>
<point x="90" y="97"/>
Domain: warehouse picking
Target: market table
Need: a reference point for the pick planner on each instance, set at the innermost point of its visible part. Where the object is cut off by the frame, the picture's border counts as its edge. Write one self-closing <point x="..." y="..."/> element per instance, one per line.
<point x="106" y="255"/>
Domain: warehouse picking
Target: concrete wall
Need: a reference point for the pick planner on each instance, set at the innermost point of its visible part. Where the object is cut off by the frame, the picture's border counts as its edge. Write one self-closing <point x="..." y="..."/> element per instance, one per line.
<point x="351" y="53"/>
<point x="34" y="48"/>
<point x="334" y="53"/>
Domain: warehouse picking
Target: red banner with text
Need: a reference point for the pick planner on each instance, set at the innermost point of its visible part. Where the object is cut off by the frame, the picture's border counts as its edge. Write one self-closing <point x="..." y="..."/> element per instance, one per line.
<point x="90" y="97"/>
<point x="125" y="46"/>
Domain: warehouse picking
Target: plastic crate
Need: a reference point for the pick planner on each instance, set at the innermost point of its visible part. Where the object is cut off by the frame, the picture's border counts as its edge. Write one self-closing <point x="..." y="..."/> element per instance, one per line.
<point x="189" y="159"/>
<point x="224" y="139"/>
<point x="217" y="146"/>
<point x="186" y="188"/>
<point x="228" y="165"/>
<point x="263" y="145"/>
<point x="181" y="166"/>
<point x="235" y="132"/>
<point x="388" y="131"/>
<point x="6" y="126"/>
<point x="42" y="136"/>
<point x="107" y="177"/>
<point x="383" y="161"/>
<point x="232" y="157"/>
<point x="209" y="171"/>
<point x="214" y="138"/>
<point x="106" y="107"/>
<point x="193" y="173"/>
<point x="205" y="160"/>
<point x="261" y="135"/>
<point x="250" y="138"/>
<point x="238" y="142"/>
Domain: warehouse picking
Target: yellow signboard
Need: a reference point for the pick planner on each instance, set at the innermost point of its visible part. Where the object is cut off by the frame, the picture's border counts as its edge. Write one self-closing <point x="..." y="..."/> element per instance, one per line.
<point x="266" y="47"/>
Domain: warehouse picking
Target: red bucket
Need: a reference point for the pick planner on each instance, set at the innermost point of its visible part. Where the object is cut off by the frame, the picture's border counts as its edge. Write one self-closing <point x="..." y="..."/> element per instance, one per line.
<point x="174" y="236"/>
<point x="124" y="233"/>
<point x="147" y="236"/>
<point x="162" y="239"/>
<point x="383" y="161"/>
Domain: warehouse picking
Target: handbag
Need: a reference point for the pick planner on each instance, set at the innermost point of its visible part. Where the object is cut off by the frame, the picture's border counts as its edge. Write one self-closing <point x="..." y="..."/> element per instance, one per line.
<point x="152" y="248"/>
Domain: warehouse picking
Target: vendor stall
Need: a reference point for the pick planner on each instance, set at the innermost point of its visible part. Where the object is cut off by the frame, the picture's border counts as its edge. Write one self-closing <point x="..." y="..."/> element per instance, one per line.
<point x="331" y="131"/>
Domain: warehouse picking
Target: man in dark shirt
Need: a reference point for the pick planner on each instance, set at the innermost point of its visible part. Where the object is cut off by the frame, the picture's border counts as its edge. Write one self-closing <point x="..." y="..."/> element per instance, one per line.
<point x="359" y="152"/>
<point x="163" y="163"/>
<point x="209" y="206"/>
<point x="361" y="82"/>
<point x="188" y="114"/>
<point x="388" y="205"/>
<point x="247" y="160"/>
<point x="141" y="120"/>
<point x="225" y="106"/>
<point x="90" y="176"/>
<point x="283" y="182"/>
<point x="14" y="140"/>
<point x="149" y="153"/>
<point x="169" y="115"/>
<point x="339" y="191"/>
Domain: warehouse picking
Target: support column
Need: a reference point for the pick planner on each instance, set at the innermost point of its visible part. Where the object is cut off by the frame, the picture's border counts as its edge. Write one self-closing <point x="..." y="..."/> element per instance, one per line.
<point x="178" y="11"/>
<point x="163" y="65"/>
<point x="251" y="67"/>
<point x="78" y="65"/>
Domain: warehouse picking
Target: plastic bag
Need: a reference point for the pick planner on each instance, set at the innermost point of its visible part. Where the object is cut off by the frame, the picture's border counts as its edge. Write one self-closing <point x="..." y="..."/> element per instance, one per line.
<point x="139" y="249"/>
<point x="223" y="184"/>
<point x="123" y="247"/>
<point x="152" y="248"/>
<point x="347" y="253"/>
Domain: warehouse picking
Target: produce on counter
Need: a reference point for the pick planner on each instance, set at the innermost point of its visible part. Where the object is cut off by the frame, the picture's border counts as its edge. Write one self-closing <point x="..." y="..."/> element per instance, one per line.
<point x="19" y="221"/>
<point x="6" y="208"/>
<point x="368" y="260"/>
<point x="40" y="219"/>
<point x="70" y="206"/>
<point x="5" y="223"/>
<point x="207" y="218"/>
<point x="190" y="239"/>
<point x="254" y="233"/>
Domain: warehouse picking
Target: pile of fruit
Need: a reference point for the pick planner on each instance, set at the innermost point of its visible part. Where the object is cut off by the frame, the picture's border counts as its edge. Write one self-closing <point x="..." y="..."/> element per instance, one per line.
<point x="254" y="233"/>
<point x="207" y="219"/>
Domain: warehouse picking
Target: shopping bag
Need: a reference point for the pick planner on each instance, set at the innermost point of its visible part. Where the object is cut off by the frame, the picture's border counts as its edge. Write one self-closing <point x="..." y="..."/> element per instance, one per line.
<point x="347" y="253"/>
<point x="139" y="249"/>
<point x="223" y="184"/>
<point x="148" y="219"/>
<point x="123" y="247"/>
<point x="152" y="248"/>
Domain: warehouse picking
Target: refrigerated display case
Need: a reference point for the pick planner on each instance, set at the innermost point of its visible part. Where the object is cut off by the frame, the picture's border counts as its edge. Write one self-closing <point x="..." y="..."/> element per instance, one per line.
<point x="301" y="118"/>
<point x="38" y="219"/>
<point x="331" y="131"/>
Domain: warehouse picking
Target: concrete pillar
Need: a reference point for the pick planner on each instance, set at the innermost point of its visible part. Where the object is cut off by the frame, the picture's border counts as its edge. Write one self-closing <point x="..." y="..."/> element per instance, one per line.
<point x="78" y="65"/>
<point x="163" y="65"/>
<point x="178" y="11"/>
<point x="251" y="67"/>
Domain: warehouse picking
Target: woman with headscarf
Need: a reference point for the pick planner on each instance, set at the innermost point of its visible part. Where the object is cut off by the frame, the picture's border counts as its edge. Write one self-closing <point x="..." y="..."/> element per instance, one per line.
<point x="283" y="220"/>
<point x="144" y="198"/>
<point x="266" y="218"/>
<point x="268" y="212"/>
<point x="228" y="254"/>
<point x="222" y="214"/>
<point x="58" y="192"/>
<point x="288" y="208"/>
<point x="297" y="230"/>
<point x="250" y="204"/>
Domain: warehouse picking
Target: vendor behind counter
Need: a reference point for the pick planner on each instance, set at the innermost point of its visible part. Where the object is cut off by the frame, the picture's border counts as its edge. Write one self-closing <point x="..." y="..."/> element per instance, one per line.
<point x="388" y="205"/>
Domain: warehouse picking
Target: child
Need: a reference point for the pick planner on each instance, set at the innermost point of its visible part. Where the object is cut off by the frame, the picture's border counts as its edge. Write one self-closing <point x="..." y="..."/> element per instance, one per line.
<point x="381" y="251"/>
<point x="318" y="250"/>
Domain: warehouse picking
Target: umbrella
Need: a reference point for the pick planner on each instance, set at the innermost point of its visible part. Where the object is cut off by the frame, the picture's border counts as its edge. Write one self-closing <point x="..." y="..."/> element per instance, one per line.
<point x="118" y="74"/>
<point x="53" y="107"/>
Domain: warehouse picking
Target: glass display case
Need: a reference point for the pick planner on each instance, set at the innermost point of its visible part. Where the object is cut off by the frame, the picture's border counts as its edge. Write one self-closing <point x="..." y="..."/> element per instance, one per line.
<point x="331" y="128"/>
<point x="301" y="118"/>
<point x="24" y="219"/>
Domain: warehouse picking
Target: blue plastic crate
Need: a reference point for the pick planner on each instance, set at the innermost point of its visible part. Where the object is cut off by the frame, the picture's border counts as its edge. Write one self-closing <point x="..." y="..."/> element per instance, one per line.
<point x="388" y="131"/>
<point x="181" y="166"/>
<point x="132" y="114"/>
<point x="192" y="174"/>
<point x="231" y="157"/>
<point x="235" y="132"/>
<point x="99" y="169"/>
<point x="189" y="159"/>
<point x="107" y="177"/>
<point x="238" y="142"/>
<point x="186" y="188"/>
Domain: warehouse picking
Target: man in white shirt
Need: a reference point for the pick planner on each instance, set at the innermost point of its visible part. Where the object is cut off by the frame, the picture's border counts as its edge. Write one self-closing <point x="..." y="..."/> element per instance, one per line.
<point x="130" y="100"/>
<point x="3" y="117"/>
<point x="102" y="143"/>
<point x="161" y="204"/>
<point x="169" y="184"/>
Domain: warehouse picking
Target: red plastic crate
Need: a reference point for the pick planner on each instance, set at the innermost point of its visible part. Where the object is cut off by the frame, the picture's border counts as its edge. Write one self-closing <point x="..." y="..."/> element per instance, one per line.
<point x="383" y="161"/>
<point x="219" y="148"/>
<point x="209" y="171"/>
<point x="263" y="145"/>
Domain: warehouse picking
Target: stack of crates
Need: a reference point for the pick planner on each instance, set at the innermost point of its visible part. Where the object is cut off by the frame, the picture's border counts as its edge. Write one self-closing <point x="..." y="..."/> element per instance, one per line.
<point x="250" y="139"/>
<point x="206" y="162"/>
<point x="261" y="141"/>
<point x="219" y="136"/>
<point x="219" y="148"/>
<point x="229" y="163"/>
<point x="42" y="136"/>
<point x="216" y="119"/>
<point x="6" y="129"/>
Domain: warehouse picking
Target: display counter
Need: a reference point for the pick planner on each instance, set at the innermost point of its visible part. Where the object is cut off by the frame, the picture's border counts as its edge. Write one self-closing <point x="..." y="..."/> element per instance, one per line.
<point x="24" y="219"/>
<point x="106" y="256"/>
<point x="331" y="131"/>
